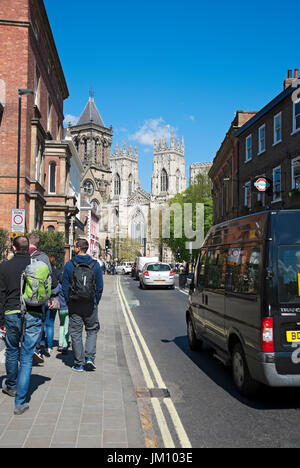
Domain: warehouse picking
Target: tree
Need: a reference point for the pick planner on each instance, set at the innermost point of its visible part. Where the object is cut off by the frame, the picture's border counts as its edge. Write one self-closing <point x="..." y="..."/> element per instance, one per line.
<point x="3" y="244"/>
<point x="197" y="193"/>
<point x="53" y="243"/>
<point x="126" y="249"/>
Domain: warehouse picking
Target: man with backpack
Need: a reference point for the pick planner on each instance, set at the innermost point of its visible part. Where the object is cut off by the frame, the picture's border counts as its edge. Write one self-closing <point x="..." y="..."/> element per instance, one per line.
<point x="23" y="289"/>
<point x="82" y="285"/>
<point x="38" y="255"/>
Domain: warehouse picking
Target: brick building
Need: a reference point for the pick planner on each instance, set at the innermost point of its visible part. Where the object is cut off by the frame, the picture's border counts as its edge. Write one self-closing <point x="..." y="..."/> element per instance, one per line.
<point x="29" y="59"/>
<point x="224" y="171"/>
<point x="269" y="146"/>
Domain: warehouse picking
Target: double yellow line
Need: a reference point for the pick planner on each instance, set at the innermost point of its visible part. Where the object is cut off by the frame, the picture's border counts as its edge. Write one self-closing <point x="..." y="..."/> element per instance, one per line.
<point x="142" y="350"/>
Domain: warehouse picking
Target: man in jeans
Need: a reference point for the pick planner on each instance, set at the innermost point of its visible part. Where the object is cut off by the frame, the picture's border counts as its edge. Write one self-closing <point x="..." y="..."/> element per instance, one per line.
<point x="83" y="312"/>
<point x="21" y="338"/>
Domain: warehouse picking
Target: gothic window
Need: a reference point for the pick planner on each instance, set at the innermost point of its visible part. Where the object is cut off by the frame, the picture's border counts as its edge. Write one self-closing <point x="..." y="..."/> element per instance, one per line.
<point x="178" y="181"/>
<point x="85" y="143"/>
<point x="102" y="155"/>
<point x="130" y="185"/>
<point x="51" y="229"/>
<point x="95" y="205"/>
<point x="117" y="185"/>
<point x="52" y="177"/>
<point x="164" y="182"/>
<point x="88" y="188"/>
<point x="138" y="227"/>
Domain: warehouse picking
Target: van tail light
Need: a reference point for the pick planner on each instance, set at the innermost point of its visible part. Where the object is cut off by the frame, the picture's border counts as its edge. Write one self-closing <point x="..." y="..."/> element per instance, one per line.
<point x="146" y="274"/>
<point x="267" y="335"/>
<point x="171" y="274"/>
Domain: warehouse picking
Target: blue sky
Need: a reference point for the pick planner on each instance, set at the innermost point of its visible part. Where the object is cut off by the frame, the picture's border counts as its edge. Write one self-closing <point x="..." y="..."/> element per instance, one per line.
<point x="188" y="64"/>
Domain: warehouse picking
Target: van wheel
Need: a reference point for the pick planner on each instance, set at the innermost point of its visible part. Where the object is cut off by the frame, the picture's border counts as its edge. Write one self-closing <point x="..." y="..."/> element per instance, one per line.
<point x="194" y="343"/>
<point x="240" y="372"/>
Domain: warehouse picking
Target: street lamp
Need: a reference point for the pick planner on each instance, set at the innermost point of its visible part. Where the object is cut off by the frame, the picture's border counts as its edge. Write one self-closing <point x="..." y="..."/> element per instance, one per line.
<point x="21" y="92"/>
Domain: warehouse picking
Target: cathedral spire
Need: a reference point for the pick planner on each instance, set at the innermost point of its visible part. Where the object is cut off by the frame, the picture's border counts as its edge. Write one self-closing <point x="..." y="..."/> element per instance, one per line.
<point x="173" y="140"/>
<point x="182" y="144"/>
<point x="136" y="151"/>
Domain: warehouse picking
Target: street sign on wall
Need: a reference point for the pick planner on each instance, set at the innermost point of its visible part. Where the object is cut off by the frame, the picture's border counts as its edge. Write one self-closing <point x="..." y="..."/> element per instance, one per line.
<point x="17" y="221"/>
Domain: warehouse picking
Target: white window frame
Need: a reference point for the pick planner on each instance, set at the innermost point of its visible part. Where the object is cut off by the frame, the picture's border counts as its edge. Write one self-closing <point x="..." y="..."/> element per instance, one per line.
<point x="274" y="193"/>
<point x="295" y="130"/>
<point x="37" y="87"/>
<point x="49" y="116"/>
<point x="275" y="142"/>
<point x="247" y="186"/>
<point x="292" y="171"/>
<point x="51" y="163"/>
<point x="260" y="150"/>
<point x="249" y="137"/>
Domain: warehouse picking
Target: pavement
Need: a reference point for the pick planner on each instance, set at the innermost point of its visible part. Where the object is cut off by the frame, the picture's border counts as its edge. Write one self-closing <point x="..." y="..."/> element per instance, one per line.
<point x="68" y="410"/>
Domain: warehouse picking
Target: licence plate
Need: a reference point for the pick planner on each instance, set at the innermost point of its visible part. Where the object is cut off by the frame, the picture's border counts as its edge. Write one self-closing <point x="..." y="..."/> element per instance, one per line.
<point x="159" y="281"/>
<point x="293" y="336"/>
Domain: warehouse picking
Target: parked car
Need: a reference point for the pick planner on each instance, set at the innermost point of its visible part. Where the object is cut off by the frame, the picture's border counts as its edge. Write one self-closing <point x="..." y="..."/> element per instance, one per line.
<point x="157" y="274"/>
<point x="245" y="298"/>
<point x="124" y="268"/>
<point x="141" y="262"/>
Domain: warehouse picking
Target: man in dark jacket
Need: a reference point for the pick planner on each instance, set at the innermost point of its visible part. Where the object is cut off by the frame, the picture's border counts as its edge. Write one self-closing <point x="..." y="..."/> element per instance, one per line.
<point x="21" y="337"/>
<point x="83" y="312"/>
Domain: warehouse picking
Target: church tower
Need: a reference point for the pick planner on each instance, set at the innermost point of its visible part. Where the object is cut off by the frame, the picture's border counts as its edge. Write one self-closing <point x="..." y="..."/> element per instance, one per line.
<point x="93" y="142"/>
<point x="168" y="177"/>
<point x="124" y="169"/>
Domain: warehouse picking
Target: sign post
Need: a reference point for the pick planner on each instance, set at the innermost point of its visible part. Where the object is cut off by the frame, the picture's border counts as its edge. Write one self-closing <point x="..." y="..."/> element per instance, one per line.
<point x="17" y="223"/>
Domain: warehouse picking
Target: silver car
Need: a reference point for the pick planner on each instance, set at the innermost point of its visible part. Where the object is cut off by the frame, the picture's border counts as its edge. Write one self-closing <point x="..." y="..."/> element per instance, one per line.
<point x="157" y="274"/>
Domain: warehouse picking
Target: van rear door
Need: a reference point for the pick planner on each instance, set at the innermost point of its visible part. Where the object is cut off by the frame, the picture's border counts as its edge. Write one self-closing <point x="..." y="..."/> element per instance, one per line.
<point x="287" y="316"/>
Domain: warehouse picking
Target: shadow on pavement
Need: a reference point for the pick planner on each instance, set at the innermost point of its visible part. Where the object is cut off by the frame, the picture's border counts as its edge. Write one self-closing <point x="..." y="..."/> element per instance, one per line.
<point x="267" y="399"/>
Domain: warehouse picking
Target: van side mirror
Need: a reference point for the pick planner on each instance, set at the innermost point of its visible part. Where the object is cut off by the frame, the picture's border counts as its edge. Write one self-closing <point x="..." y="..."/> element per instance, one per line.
<point x="270" y="274"/>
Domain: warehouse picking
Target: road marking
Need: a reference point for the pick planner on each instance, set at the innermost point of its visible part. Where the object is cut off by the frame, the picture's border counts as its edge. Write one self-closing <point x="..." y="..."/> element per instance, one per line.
<point x="143" y="365"/>
<point x="180" y="290"/>
<point x="166" y="435"/>
<point x="162" y="423"/>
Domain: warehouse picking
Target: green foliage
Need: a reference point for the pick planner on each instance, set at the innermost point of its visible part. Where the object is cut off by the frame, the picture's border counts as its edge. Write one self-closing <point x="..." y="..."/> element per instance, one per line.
<point x="4" y="238"/>
<point x="197" y="193"/>
<point x="53" y="243"/>
<point x="126" y="249"/>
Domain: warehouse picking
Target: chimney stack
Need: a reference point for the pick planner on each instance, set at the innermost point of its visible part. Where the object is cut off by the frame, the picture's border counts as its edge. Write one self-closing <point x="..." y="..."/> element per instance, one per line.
<point x="289" y="80"/>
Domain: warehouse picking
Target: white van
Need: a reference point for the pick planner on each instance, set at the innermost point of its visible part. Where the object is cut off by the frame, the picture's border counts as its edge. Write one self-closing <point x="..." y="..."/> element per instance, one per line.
<point x="141" y="262"/>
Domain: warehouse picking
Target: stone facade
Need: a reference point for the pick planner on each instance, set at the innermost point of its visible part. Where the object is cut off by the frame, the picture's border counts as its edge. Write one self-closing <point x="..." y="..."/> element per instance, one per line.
<point x="111" y="184"/>
<point x="199" y="168"/>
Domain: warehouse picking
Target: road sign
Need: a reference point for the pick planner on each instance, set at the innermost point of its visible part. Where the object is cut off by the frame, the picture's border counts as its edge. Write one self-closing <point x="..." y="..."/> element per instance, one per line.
<point x="262" y="184"/>
<point x="13" y="235"/>
<point x="17" y="221"/>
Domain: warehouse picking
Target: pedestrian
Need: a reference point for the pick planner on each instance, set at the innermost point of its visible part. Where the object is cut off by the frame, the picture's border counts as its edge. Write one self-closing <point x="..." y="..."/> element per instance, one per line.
<point x="63" y="340"/>
<point x="50" y="311"/>
<point x="36" y="254"/>
<point x="82" y="285"/>
<point x="22" y="331"/>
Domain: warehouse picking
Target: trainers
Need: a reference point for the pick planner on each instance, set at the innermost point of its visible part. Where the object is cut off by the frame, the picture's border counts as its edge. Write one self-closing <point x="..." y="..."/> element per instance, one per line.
<point x="90" y="364"/>
<point x="9" y="391"/>
<point x="49" y="351"/>
<point x="78" y="368"/>
<point x="60" y="349"/>
<point x="38" y="358"/>
<point x="21" y="409"/>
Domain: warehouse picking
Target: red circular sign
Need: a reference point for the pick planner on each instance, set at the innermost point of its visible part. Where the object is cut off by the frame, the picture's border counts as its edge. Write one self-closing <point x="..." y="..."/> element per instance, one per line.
<point x="262" y="184"/>
<point x="18" y="219"/>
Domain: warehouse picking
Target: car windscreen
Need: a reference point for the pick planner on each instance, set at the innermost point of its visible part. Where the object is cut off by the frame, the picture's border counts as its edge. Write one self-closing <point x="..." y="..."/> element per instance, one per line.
<point x="158" y="267"/>
<point x="289" y="274"/>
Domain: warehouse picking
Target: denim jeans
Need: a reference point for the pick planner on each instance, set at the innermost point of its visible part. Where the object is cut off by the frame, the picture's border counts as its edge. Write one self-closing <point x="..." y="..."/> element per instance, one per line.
<point x="20" y="349"/>
<point x="49" y="326"/>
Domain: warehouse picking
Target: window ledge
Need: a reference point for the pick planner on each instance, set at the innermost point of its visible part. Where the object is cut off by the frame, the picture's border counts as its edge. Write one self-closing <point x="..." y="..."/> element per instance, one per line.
<point x="277" y="142"/>
<point x="277" y="200"/>
<point x="295" y="131"/>
<point x="248" y="160"/>
<point x="261" y="152"/>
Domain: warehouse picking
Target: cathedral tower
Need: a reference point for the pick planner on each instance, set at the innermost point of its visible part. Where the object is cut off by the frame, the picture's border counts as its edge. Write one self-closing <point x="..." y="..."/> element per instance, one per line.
<point x="168" y="177"/>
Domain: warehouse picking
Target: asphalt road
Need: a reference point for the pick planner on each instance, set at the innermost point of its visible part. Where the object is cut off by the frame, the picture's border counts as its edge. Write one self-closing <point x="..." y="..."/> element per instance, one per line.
<point x="212" y="412"/>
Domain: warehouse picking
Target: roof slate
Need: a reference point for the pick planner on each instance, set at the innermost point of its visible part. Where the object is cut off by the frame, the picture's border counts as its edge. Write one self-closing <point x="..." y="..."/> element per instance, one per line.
<point x="90" y="114"/>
